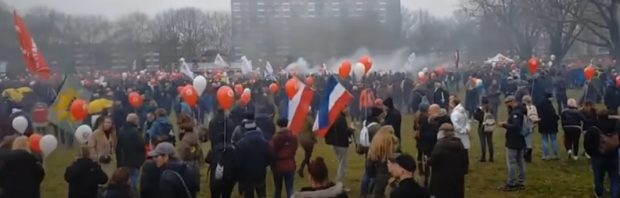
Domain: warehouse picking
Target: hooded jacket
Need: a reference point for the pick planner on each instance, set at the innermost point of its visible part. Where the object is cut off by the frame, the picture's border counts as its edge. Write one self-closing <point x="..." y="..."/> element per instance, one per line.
<point x="330" y="191"/>
<point x="254" y="156"/>
<point x="161" y="127"/>
<point x="449" y="166"/>
<point x="393" y="117"/>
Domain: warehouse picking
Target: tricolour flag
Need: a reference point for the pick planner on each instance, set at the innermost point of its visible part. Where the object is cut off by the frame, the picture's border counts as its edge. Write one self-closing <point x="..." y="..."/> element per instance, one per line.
<point x="299" y="107"/>
<point x="33" y="58"/>
<point x="334" y="100"/>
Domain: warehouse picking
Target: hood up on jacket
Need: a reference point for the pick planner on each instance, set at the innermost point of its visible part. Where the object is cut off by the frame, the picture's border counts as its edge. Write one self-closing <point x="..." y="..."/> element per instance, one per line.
<point x="330" y="192"/>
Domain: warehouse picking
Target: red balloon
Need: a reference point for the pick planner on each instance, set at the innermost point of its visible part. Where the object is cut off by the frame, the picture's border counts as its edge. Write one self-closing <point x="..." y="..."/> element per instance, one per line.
<point x="79" y="109"/>
<point x="367" y="61"/>
<point x="441" y="71"/>
<point x="310" y="81"/>
<point x="190" y="95"/>
<point x="589" y="72"/>
<point x="345" y="69"/>
<point x="246" y="96"/>
<point x="135" y="99"/>
<point x="273" y="88"/>
<point x="378" y="102"/>
<point x="291" y="87"/>
<point x="35" y="142"/>
<point x="533" y="63"/>
<point x="239" y="89"/>
<point x="226" y="97"/>
<point x="618" y="81"/>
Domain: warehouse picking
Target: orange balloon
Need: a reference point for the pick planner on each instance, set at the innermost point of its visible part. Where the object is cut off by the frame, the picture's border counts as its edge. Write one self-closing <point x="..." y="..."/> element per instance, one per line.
<point x="190" y="95"/>
<point x="79" y="109"/>
<point x="226" y="97"/>
<point x="246" y="96"/>
<point x="345" y="69"/>
<point x="533" y="63"/>
<point x="310" y="81"/>
<point x="589" y="72"/>
<point x="291" y="87"/>
<point x="135" y="99"/>
<point x="367" y="61"/>
<point x="239" y="89"/>
<point x="273" y="88"/>
<point x="35" y="142"/>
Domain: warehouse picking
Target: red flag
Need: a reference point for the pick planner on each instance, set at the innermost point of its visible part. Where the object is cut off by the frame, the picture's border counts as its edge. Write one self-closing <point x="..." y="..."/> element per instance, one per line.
<point x="32" y="56"/>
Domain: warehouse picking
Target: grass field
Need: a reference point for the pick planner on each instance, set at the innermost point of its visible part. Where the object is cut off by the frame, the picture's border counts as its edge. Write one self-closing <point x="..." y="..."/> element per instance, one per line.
<point x="545" y="179"/>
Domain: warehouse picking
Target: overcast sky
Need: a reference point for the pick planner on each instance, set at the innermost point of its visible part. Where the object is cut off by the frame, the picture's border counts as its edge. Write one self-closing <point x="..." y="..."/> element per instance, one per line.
<point x="115" y="8"/>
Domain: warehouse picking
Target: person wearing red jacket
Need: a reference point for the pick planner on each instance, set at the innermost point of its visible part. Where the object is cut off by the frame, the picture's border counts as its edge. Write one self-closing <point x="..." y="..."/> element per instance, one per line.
<point x="284" y="145"/>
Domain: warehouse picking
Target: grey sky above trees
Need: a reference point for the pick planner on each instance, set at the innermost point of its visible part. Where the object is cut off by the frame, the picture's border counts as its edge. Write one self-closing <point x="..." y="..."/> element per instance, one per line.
<point x="116" y="8"/>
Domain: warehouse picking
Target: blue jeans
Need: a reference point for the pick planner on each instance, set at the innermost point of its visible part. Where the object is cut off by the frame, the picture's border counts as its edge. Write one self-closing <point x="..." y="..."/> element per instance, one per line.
<point x="515" y="162"/>
<point x="550" y="138"/>
<point x="288" y="179"/>
<point x="366" y="184"/>
<point x="600" y="166"/>
<point x="134" y="174"/>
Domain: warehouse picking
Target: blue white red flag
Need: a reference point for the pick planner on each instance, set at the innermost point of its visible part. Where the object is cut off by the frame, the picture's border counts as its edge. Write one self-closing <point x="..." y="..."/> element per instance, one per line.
<point x="299" y="107"/>
<point x="334" y="100"/>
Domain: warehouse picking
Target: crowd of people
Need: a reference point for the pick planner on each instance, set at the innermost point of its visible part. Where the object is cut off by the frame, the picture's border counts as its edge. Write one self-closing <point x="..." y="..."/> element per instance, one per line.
<point x="140" y="152"/>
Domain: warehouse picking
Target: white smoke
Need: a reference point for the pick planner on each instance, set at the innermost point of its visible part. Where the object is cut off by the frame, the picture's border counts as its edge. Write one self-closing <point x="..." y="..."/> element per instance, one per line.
<point x="401" y="60"/>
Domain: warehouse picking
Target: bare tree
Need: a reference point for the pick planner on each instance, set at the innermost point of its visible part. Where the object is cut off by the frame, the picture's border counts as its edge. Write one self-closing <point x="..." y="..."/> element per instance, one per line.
<point x="600" y="19"/>
<point x="132" y="28"/>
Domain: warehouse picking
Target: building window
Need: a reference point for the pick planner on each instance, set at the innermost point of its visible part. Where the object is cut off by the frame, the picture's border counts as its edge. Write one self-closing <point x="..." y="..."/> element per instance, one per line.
<point x="260" y="3"/>
<point x="260" y="10"/>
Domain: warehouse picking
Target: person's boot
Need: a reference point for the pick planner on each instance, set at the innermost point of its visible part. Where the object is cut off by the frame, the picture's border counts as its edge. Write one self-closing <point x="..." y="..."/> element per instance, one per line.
<point x="528" y="155"/>
<point x="300" y="172"/>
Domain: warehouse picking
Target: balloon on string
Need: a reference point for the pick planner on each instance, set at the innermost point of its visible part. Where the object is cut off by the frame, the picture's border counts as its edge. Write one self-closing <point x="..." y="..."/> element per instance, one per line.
<point x="200" y="84"/>
<point x="20" y="124"/>
<point x="359" y="71"/>
<point x="48" y="144"/>
<point x="225" y="97"/>
<point x="189" y="95"/>
<point x="79" y="109"/>
<point x="291" y="87"/>
<point x="246" y="96"/>
<point x="589" y="72"/>
<point x="238" y="89"/>
<point x="82" y="133"/>
<point x="367" y="61"/>
<point x="135" y="99"/>
<point x="35" y="142"/>
<point x="273" y="88"/>
<point x="533" y="64"/>
<point x="345" y="69"/>
<point x="310" y="81"/>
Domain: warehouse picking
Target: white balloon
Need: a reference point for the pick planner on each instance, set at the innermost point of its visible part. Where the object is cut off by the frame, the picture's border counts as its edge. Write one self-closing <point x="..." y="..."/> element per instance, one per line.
<point x="421" y="74"/>
<point x="247" y="90"/>
<point x="359" y="71"/>
<point x="200" y="84"/>
<point x="48" y="144"/>
<point x="552" y="57"/>
<point x="82" y="133"/>
<point x="20" y="124"/>
<point x="124" y="75"/>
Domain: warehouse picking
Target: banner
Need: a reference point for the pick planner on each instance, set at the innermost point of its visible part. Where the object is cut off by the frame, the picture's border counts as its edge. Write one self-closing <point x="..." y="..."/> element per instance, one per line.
<point x="35" y="62"/>
<point x="59" y="113"/>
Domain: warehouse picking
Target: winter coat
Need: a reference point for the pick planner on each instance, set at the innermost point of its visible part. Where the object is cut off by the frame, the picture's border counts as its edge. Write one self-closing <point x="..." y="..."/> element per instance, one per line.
<point x="101" y="144"/>
<point x="448" y="168"/>
<point x="393" y="118"/>
<point x="184" y="184"/>
<point x="572" y="117"/>
<point x="265" y="123"/>
<point x="429" y="138"/>
<point x="408" y="188"/>
<point x="190" y="149"/>
<point x="117" y="191"/>
<point x="284" y="146"/>
<point x="461" y="124"/>
<point x="21" y="175"/>
<point x="330" y="191"/>
<point x="441" y="98"/>
<point x="130" y="150"/>
<point x="149" y="179"/>
<point x="514" y="124"/>
<point x="472" y="99"/>
<point x="221" y="129"/>
<point x="161" y="129"/>
<point x="254" y="156"/>
<point x="548" y="118"/>
<point x="591" y="139"/>
<point x="84" y="177"/>
<point x="339" y="133"/>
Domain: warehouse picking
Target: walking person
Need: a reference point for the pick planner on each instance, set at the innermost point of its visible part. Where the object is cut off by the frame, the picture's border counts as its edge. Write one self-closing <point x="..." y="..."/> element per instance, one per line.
<point x="402" y="168"/>
<point x="486" y="126"/>
<point x="530" y="120"/>
<point x="572" y="122"/>
<point x="254" y="156"/>
<point x="284" y="146"/>
<point x="515" y="146"/>
<point x="103" y="144"/>
<point x="130" y="149"/>
<point x="338" y="137"/>
<point x="84" y="176"/>
<point x="307" y="140"/>
<point x="460" y="121"/>
<point x="601" y="143"/>
<point x="449" y="165"/>
<point x="548" y="128"/>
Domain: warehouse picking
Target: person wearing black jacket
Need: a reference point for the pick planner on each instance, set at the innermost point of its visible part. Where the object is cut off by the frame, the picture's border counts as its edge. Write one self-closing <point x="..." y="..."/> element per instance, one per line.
<point x="254" y="156"/>
<point x="130" y="152"/>
<point x="221" y="129"/>
<point x="392" y="117"/>
<point x="603" y="163"/>
<point x="515" y="145"/>
<point x="441" y="96"/>
<point x="177" y="179"/>
<point x="572" y="122"/>
<point x="84" y="176"/>
<point x="338" y="136"/>
<point x="449" y="165"/>
<point x="402" y="167"/>
<point x="149" y="179"/>
<point x="548" y="128"/>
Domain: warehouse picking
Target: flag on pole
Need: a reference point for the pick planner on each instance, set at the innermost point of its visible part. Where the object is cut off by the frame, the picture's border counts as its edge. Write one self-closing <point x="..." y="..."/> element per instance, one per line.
<point x="185" y="69"/>
<point x="246" y="65"/>
<point x="219" y="61"/>
<point x="299" y="107"/>
<point x="334" y="100"/>
<point x="35" y="62"/>
<point x="269" y="72"/>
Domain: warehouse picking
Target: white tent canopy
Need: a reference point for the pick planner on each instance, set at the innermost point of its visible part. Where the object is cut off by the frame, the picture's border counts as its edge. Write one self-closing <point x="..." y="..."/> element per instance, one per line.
<point x="499" y="58"/>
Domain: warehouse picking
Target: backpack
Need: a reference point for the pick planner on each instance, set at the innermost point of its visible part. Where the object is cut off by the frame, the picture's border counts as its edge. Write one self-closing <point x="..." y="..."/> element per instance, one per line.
<point x="608" y="143"/>
<point x="365" y="134"/>
<point x="488" y="123"/>
<point x="222" y="164"/>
